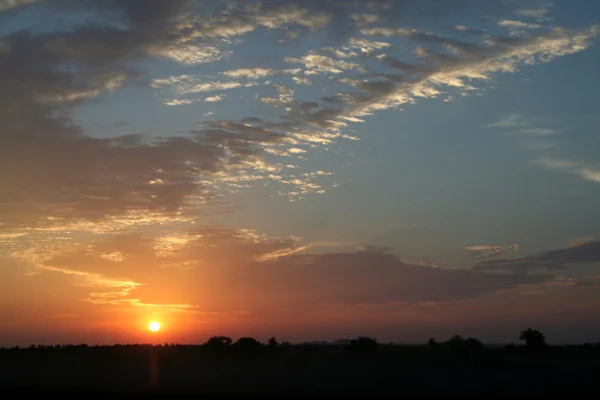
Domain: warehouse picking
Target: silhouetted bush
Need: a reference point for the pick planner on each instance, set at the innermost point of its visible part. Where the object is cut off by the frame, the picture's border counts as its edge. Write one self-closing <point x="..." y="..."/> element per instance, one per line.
<point x="363" y="345"/>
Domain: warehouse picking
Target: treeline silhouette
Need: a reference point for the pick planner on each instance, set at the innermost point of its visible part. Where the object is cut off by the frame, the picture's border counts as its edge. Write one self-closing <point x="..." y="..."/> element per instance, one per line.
<point x="221" y="365"/>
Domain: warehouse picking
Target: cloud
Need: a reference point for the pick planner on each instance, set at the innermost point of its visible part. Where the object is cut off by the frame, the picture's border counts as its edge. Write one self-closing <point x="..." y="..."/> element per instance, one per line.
<point x="219" y="268"/>
<point x="509" y="121"/>
<point x="318" y="64"/>
<point x="277" y="254"/>
<point x="584" y="253"/>
<point x="375" y="276"/>
<point x="590" y="175"/>
<point x="576" y="242"/>
<point x="469" y="61"/>
<point x="213" y="99"/>
<point x="179" y="102"/>
<point x="537" y="131"/>
<point x="539" y="13"/>
<point x="6" y="5"/>
<point x="519" y="28"/>
<point x="516" y="124"/>
<point x="186" y="84"/>
<point x="130" y="178"/>
<point x="193" y="54"/>
<point x="569" y="166"/>
<point x="121" y="218"/>
<point x="118" y="289"/>
<point x="554" y="163"/>
<point x="102" y="177"/>
<point x="366" y="46"/>
<point x="488" y="251"/>
<point x="468" y="30"/>
<point x="365" y="19"/>
<point x="256" y="73"/>
<point x="302" y="81"/>
<point x="111" y="179"/>
<point x="512" y="24"/>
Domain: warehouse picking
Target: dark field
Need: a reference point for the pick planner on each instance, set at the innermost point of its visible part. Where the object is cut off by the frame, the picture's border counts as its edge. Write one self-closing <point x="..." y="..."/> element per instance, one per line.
<point x="250" y="367"/>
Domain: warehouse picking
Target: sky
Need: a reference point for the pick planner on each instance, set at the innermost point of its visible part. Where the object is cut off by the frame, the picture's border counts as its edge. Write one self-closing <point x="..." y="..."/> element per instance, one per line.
<point x="310" y="170"/>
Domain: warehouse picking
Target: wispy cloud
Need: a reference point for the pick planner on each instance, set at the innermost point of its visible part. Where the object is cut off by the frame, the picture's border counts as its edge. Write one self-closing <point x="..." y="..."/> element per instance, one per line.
<point x="583" y="252"/>
<point x="6" y="5"/>
<point x="576" y="242"/>
<point x="277" y="254"/>
<point x="187" y="84"/>
<point x="511" y="23"/>
<point x="509" y="121"/>
<point x="317" y="64"/>
<point x="518" y="124"/>
<point x="539" y="13"/>
<point x="117" y="291"/>
<point x="569" y="166"/>
<point x="488" y="251"/>
<point x="519" y="28"/>
<point x="193" y="54"/>
<point x="537" y="132"/>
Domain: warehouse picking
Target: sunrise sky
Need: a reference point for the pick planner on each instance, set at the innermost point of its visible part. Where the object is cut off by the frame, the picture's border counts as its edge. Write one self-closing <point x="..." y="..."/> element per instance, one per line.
<point x="308" y="169"/>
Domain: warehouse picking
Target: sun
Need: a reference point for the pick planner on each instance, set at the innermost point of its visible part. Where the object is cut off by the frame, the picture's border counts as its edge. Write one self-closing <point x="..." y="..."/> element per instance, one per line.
<point x="154" y="326"/>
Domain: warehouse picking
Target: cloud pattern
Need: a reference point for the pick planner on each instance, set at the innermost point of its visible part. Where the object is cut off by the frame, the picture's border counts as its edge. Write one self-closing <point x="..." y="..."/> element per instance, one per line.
<point x="122" y="214"/>
<point x="105" y="177"/>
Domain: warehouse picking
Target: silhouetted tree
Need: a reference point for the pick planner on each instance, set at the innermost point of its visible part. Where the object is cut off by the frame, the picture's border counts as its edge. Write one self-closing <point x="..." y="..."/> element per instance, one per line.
<point x="247" y="345"/>
<point x="456" y="340"/>
<point x="431" y="342"/>
<point x="535" y="340"/>
<point x="465" y="347"/>
<point x="473" y="343"/>
<point x="363" y="344"/>
<point x="273" y="342"/>
<point x="218" y="343"/>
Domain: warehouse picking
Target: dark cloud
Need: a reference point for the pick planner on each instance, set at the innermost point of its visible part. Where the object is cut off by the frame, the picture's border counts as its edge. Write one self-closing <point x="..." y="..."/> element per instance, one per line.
<point x="49" y="169"/>
<point x="229" y="267"/>
<point x="368" y="276"/>
<point x="585" y="253"/>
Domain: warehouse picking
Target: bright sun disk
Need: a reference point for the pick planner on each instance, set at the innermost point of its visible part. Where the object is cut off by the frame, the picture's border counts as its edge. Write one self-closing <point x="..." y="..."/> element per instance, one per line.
<point x="154" y="326"/>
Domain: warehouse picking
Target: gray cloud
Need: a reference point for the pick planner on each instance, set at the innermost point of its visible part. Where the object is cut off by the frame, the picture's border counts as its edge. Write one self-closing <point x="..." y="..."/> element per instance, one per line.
<point x="49" y="169"/>
<point x="6" y="5"/>
<point x="488" y="251"/>
<point x="585" y="253"/>
<point x="369" y="276"/>
<point x="229" y="267"/>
